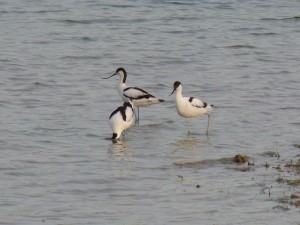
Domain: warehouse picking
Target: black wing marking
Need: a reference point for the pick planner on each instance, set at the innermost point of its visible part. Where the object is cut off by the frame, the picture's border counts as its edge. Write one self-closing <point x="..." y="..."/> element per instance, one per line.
<point x="203" y="106"/>
<point x="197" y="103"/>
<point x="120" y="109"/>
<point x="136" y="88"/>
<point x="127" y="104"/>
<point x="140" y="97"/>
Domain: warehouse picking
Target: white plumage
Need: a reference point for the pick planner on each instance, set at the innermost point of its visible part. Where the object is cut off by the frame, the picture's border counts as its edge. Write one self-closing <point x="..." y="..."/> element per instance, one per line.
<point x="189" y="107"/>
<point x="121" y="119"/>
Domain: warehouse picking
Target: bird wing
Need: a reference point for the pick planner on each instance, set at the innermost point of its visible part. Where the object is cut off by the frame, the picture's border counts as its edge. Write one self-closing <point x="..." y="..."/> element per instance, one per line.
<point x="197" y="102"/>
<point x="119" y="109"/>
<point x="128" y="111"/>
<point x="135" y="93"/>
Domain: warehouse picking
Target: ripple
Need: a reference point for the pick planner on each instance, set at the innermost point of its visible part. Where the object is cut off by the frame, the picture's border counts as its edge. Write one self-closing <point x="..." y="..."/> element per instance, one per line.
<point x="98" y="21"/>
<point x="71" y="21"/>
<point x="181" y="3"/>
<point x="38" y="162"/>
<point x="265" y="34"/>
<point x="88" y="39"/>
<point x="119" y="6"/>
<point x="296" y="18"/>
<point x="37" y="12"/>
<point x="81" y="57"/>
<point x="240" y="46"/>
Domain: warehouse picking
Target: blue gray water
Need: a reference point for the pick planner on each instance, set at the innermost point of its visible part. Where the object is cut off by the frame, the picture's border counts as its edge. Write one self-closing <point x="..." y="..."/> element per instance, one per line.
<point x="56" y="164"/>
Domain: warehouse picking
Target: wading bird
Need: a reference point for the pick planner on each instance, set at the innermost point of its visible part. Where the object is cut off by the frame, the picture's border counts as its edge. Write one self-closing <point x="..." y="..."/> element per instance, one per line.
<point x="121" y="119"/>
<point x="189" y="107"/>
<point x="138" y="96"/>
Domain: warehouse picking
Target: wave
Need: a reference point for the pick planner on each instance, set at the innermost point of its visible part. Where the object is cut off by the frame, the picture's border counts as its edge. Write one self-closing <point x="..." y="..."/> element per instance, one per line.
<point x="71" y="21"/>
<point x="38" y="12"/>
<point x="93" y="21"/>
<point x="88" y="39"/>
<point x="180" y="3"/>
<point x="262" y="34"/>
<point x="120" y="6"/>
<point x="285" y="18"/>
<point x="80" y="57"/>
<point x="240" y="46"/>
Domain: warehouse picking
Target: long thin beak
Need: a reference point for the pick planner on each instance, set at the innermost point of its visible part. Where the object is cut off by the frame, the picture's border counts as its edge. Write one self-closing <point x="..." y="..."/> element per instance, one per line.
<point x="109" y="76"/>
<point x="172" y="92"/>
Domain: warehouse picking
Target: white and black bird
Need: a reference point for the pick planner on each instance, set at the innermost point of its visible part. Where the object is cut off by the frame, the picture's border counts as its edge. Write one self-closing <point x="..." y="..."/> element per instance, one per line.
<point x="121" y="119"/>
<point x="138" y="96"/>
<point x="189" y="107"/>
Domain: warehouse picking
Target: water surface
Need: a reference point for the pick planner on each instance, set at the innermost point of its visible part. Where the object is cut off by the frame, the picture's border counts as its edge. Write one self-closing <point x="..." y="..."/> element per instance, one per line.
<point x="57" y="166"/>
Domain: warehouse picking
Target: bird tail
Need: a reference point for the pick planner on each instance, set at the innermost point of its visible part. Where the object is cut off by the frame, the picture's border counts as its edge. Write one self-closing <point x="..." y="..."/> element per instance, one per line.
<point x="209" y="108"/>
<point x="161" y="100"/>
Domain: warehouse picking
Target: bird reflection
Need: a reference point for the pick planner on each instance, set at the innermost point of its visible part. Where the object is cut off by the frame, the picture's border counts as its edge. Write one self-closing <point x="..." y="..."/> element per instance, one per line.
<point x="120" y="148"/>
<point x="190" y="144"/>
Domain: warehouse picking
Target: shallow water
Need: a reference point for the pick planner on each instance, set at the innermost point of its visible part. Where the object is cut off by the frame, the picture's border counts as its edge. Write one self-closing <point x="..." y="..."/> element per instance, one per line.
<point x="57" y="166"/>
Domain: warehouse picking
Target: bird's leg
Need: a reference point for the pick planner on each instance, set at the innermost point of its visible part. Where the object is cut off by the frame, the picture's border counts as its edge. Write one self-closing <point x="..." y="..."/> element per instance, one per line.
<point x="135" y="115"/>
<point x="138" y="115"/>
<point x="207" y="125"/>
<point x="187" y="122"/>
